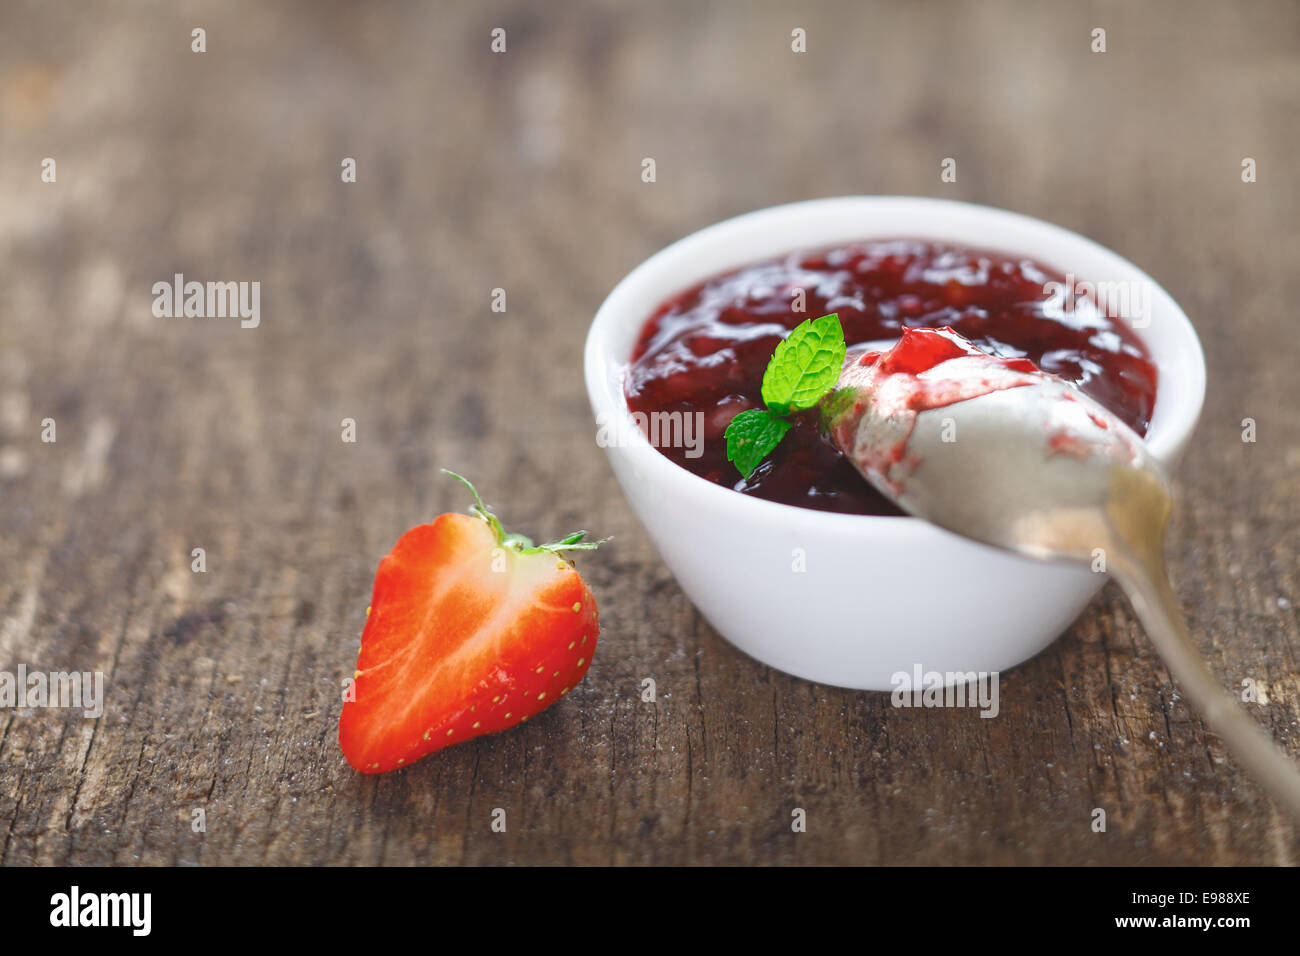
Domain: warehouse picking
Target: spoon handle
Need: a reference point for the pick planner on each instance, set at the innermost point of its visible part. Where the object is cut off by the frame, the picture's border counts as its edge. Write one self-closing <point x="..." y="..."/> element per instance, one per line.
<point x="1147" y="586"/>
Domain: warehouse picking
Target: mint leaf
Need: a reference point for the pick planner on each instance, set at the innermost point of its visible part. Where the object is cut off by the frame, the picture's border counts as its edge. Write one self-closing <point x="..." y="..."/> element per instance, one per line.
<point x="805" y="366"/>
<point x="751" y="436"/>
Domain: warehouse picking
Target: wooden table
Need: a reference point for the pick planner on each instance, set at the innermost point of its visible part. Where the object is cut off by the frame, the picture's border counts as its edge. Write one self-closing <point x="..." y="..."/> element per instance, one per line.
<point x="522" y="171"/>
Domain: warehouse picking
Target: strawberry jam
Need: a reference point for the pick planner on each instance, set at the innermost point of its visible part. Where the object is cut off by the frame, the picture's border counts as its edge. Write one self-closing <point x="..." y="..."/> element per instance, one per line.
<point x="705" y="350"/>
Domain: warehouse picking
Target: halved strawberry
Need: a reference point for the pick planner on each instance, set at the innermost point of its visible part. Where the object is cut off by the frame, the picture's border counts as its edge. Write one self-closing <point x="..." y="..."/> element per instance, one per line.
<point x="470" y="631"/>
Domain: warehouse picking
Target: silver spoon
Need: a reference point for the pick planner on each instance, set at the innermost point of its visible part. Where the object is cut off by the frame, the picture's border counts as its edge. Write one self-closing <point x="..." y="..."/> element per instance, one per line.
<point x="1015" y="458"/>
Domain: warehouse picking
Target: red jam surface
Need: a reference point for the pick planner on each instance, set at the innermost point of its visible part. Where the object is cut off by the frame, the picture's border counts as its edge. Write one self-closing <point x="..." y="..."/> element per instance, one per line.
<point x="705" y="350"/>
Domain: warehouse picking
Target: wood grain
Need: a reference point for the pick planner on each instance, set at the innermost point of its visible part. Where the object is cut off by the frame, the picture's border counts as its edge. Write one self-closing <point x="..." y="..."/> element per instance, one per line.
<point x="522" y="171"/>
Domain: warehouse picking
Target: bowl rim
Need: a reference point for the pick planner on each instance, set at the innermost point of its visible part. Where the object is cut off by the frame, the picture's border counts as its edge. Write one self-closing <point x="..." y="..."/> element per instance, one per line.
<point x="1171" y="424"/>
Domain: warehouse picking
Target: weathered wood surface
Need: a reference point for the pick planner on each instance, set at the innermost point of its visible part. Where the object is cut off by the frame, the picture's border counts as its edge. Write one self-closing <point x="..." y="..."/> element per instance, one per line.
<point x="522" y="171"/>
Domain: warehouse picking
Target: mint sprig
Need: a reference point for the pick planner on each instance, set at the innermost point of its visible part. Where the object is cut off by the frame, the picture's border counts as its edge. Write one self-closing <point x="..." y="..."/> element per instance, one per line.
<point x="803" y="369"/>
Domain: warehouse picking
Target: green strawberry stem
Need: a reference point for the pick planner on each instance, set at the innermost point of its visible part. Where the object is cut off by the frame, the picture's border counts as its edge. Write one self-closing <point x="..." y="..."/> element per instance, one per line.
<point x="518" y="542"/>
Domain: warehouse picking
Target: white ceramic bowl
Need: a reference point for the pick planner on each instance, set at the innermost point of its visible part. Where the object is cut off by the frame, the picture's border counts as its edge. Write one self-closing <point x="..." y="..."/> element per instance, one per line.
<point x="879" y="594"/>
